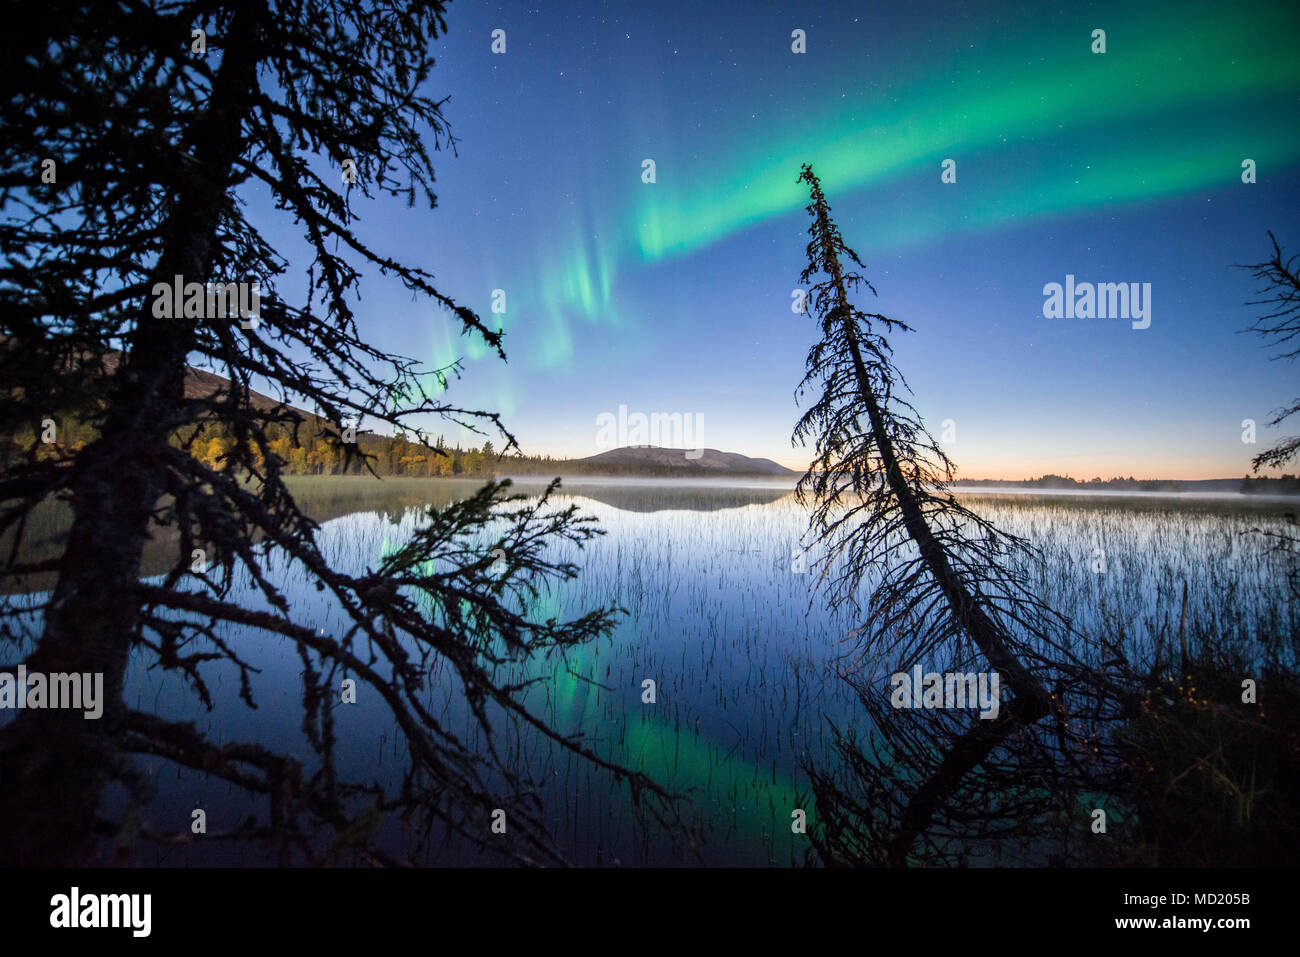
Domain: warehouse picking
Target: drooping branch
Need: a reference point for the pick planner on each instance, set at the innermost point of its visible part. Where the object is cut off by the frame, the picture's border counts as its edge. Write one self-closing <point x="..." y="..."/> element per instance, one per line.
<point x="1277" y="326"/>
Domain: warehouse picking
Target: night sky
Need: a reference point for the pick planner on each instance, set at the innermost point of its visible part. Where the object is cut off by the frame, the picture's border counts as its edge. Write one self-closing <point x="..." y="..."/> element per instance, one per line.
<point x="676" y="296"/>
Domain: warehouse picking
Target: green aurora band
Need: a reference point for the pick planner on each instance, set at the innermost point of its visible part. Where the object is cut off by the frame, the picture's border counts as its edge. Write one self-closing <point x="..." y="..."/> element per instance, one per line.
<point x="1173" y="106"/>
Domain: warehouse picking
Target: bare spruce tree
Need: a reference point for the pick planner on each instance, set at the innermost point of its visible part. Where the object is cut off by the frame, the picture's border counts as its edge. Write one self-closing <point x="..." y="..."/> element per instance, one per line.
<point x="132" y="131"/>
<point x="942" y="587"/>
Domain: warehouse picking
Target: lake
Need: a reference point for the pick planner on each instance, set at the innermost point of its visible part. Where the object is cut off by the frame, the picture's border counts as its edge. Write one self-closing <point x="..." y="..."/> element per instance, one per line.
<point x="721" y="617"/>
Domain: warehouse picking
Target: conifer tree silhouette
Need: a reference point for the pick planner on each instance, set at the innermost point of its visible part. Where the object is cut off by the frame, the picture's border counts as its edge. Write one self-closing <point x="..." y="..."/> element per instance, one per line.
<point x="948" y="586"/>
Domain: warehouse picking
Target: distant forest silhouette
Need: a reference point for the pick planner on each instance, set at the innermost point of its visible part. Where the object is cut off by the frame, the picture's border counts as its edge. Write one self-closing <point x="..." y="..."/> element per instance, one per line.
<point x="1282" y="485"/>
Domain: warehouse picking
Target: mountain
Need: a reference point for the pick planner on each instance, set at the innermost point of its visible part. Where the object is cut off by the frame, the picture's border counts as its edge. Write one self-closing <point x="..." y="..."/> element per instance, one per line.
<point x="200" y="384"/>
<point x="711" y="461"/>
<point x="643" y="459"/>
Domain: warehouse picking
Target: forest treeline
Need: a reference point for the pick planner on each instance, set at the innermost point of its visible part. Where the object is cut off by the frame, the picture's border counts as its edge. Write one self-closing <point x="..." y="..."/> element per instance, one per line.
<point x="315" y="449"/>
<point x="1282" y="485"/>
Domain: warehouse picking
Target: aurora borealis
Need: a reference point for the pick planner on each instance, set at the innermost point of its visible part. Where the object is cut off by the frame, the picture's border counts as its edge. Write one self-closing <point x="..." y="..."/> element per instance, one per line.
<point x="674" y="296"/>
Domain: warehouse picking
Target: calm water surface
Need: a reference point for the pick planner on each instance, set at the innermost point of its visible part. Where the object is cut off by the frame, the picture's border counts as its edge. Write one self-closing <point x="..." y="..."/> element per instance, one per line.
<point x="743" y="655"/>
